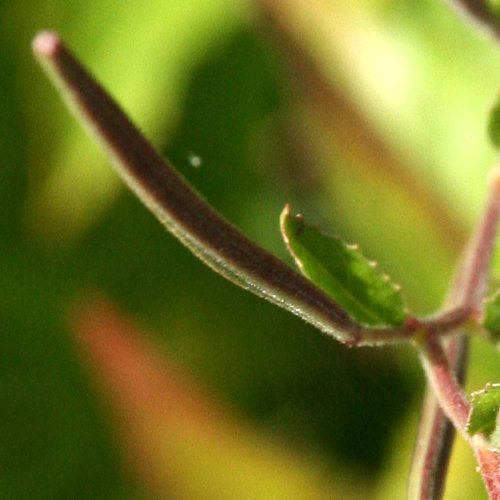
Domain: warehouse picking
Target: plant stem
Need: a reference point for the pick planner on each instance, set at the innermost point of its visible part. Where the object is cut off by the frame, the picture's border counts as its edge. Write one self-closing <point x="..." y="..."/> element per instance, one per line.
<point x="435" y="433"/>
<point x="470" y="285"/>
<point x="442" y="322"/>
<point x="444" y="383"/>
<point x="489" y="464"/>
<point x="457" y="409"/>
<point x="473" y="279"/>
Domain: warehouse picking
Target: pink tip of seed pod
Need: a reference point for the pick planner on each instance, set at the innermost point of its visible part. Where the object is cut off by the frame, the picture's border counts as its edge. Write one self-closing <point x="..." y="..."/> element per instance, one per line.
<point x="46" y="43"/>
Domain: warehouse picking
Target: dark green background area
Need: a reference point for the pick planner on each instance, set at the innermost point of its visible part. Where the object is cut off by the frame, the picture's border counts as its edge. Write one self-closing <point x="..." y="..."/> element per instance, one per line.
<point x="235" y="110"/>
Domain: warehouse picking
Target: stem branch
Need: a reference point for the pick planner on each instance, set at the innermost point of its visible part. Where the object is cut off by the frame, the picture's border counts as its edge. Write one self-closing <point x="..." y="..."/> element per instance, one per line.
<point x="435" y="432"/>
<point x="471" y="284"/>
<point x="444" y="383"/>
<point x="457" y="408"/>
<point x="435" y="435"/>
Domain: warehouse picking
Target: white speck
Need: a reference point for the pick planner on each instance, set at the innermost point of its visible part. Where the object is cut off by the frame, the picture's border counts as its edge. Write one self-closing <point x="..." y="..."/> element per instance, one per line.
<point x="194" y="160"/>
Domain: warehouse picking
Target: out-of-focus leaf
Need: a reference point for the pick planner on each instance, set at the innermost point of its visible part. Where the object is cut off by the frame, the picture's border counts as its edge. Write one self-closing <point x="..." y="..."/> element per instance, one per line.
<point x="484" y="410"/>
<point x="494" y="125"/>
<point x="180" y="442"/>
<point x="344" y="273"/>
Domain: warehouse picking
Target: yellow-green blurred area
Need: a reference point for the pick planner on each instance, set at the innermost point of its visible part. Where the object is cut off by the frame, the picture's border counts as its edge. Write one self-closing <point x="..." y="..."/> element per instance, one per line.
<point x="369" y="117"/>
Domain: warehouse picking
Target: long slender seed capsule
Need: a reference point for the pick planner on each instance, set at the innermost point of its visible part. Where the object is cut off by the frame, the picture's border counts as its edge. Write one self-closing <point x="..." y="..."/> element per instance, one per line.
<point x="180" y="208"/>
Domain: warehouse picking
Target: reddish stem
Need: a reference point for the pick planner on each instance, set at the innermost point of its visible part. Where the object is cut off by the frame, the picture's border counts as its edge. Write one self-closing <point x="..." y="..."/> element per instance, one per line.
<point x="443" y="322"/>
<point x="473" y="279"/>
<point x="435" y="433"/>
<point x="445" y="385"/>
<point x="457" y="409"/>
<point x="489" y="463"/>
<point x="445" y="363"/>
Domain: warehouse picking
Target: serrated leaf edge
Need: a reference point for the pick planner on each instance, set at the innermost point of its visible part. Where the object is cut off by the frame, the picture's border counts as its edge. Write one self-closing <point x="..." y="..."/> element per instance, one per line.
<point x="355" y="247"/>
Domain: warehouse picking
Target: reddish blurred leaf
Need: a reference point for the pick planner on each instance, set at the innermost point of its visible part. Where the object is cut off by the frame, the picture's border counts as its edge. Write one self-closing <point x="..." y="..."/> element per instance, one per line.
<point x="178" y="441"/>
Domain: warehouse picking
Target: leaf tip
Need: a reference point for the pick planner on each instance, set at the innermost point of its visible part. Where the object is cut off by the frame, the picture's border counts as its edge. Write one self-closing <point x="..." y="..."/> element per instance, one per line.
<point x="285" y="212"/>
<point x="290" y="223"/>
<point x="46" y="44"/>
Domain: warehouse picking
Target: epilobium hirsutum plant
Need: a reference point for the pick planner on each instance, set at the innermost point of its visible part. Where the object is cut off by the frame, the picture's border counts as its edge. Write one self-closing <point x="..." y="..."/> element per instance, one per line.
<point x="339" y="291"/>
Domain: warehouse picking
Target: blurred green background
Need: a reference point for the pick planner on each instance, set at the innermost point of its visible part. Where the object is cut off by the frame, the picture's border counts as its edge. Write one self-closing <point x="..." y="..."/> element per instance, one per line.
<point x="369" y="117"/>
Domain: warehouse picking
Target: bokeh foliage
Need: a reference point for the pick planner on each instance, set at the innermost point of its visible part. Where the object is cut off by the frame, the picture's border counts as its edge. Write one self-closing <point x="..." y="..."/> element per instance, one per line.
<point x="370" y="117"/>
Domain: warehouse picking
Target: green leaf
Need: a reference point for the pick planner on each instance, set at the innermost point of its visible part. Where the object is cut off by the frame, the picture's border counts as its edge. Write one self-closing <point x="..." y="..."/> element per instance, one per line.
<point x="341" y="270"/>
<point x="484" y="410"/>
<point x="494" y="125"/>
